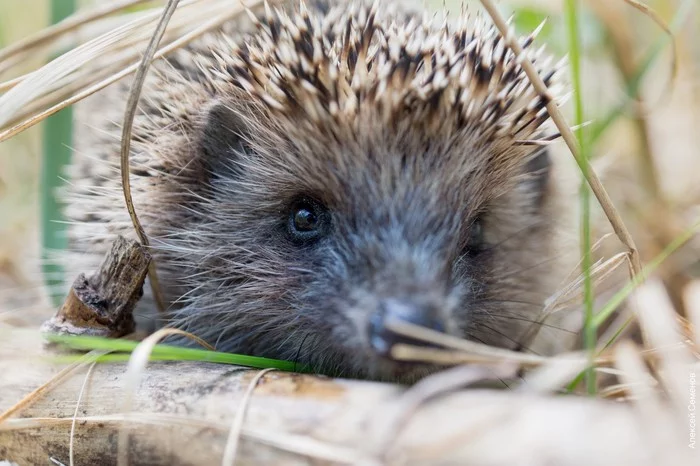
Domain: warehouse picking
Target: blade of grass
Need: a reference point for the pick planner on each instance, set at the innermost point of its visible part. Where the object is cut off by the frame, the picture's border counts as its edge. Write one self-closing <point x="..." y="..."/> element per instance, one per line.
<point x="589" y="331"/>
<point x="164" y="352"/>
<point x="56" y="155"/>
<point x="621" y="295"/>
<point x="624" y="293"/>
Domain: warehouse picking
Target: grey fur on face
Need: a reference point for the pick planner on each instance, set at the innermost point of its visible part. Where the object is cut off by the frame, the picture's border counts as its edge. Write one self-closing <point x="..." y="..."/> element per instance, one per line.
<point x="323" y="172"/>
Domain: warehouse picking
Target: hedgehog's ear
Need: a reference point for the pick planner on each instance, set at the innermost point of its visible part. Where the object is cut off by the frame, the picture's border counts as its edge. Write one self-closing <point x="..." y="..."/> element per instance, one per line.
<point x="221" y="139"/>
<point x="538" y="169"/>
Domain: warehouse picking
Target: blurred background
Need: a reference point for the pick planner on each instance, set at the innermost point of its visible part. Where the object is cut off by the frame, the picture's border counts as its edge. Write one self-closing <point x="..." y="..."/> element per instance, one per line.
<point x="644" y="138"/>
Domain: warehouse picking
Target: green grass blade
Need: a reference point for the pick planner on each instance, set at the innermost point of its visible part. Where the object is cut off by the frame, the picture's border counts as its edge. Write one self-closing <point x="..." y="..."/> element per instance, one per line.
<point x="624" y="293"/>
<point x="56" y="155"/>
<point x="589" y="331"/>
<point x="168" y="353"/>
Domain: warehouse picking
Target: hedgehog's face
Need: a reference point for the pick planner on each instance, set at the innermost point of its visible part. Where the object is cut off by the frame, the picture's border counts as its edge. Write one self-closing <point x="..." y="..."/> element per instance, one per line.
<point x="321" y="243"/>
<point x="363" y="171"/>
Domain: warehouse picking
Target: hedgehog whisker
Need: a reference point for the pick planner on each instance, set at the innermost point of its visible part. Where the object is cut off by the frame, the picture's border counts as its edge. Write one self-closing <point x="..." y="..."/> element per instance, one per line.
<point x="536" y="322"/>
<point x="518" y="344"/>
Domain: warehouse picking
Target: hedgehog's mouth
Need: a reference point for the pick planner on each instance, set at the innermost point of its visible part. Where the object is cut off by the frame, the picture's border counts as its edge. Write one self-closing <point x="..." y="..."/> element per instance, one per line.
<point x="387" y="326"/>
<point x="385" y="336"/>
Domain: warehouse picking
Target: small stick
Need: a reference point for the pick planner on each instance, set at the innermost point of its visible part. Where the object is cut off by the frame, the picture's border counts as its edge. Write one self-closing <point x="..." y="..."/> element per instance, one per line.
<point x="103" y="304"/>
<point x="559" y="120"/>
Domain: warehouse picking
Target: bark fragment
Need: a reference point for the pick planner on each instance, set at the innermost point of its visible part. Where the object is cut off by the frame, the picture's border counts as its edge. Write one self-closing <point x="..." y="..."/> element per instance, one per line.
<point x="103" y="304"/>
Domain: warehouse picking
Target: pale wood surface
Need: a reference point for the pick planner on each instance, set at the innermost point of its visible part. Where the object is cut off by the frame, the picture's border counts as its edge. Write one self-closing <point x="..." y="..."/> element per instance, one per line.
<point x="183" y="412"/>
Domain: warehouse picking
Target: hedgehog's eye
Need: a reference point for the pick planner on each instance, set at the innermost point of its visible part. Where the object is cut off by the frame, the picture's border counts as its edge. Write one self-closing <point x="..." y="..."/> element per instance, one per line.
<point x="308" y="220"/>
<point x="305" y="219"/>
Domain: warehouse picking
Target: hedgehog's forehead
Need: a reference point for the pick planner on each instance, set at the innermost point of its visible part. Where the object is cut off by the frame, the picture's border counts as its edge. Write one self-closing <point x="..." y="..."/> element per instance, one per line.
<point x="412" y="165"/>
<point x="358" y="85"/>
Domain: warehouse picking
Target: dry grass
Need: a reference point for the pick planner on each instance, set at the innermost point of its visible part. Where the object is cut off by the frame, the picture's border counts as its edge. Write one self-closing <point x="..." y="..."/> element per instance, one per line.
<point x="647" y="158"/>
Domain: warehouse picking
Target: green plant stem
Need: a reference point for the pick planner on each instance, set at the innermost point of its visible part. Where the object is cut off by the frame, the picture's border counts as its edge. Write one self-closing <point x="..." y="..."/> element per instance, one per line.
<point x="589" y="330"/>
<point x="56" y="155"/>
<point x="167" y="353"/>
<point x="632" y="89"/>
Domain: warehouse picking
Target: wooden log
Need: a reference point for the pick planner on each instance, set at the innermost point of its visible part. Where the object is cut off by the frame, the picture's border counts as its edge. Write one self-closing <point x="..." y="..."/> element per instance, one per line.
<point x="183" y="412"/>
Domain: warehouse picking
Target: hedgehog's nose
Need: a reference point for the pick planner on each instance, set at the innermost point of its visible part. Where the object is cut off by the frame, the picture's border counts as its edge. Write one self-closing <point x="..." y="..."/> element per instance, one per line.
<point x="382" y="338"/>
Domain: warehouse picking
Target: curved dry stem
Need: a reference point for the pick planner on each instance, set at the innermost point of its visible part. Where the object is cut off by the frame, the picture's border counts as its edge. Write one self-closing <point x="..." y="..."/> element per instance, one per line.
<point x="131" y="107"/>
<point x="71" y="452"/>
<point x="236" y="430"/>
<point x="137" y="364"/>
<point x="654" y="16"/>
<point x="428" y="389"/>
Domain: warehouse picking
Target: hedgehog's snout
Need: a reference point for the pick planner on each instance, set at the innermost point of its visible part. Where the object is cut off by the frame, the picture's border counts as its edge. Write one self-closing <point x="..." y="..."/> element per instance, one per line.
<point x="383" y="335"/>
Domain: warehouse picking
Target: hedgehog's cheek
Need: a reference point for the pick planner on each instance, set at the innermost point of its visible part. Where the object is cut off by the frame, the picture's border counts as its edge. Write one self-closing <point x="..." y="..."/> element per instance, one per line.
<point x="538" y="169"/>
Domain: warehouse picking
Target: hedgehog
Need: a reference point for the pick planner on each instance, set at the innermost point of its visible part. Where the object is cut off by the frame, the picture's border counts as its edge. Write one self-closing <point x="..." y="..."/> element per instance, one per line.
<point x="316" y="170"/>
